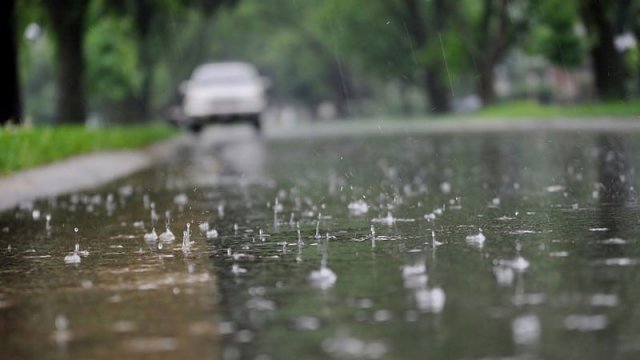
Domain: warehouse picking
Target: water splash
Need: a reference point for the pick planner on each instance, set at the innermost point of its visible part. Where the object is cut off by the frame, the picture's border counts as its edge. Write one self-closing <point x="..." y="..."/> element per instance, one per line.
<point x="324" y="278"/>
<point x="476" y="239"/>
<point x="74" y="257"/>
<point x="181" y="200"/>
<point x="151" y="236"/>
<point x="167" y="236"/>
<point x="525" y="329"/>
<point x="186" y="239"/>
<point x="318" y="226"/>
<point x="390" y="220"/>
<point x="62" y="335"/>
<point x="47" y="226"/>
<point x="358" y="207"/>
<point x="204" y="227"/>
<point x="430" y="300"/>
<point x="373" y="237"/>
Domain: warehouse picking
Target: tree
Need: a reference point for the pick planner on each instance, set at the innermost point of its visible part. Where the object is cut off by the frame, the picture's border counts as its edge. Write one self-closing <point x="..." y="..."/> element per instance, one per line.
<point x="400" y="40"/>
<point x="489" y="29"/>
<point x="298" y="45"/>
<point x="423" y="32"/>
<point x="10" y="107"/>
<point x="556" y="37"/>
<point x="607" y="64"/>
<point x="150" y="19"/>
<point x="67" y="19"/>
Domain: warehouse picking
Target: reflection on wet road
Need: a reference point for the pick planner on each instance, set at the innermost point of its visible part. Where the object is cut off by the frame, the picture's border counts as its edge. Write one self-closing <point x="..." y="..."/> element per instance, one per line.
<point x="502" y="245"/>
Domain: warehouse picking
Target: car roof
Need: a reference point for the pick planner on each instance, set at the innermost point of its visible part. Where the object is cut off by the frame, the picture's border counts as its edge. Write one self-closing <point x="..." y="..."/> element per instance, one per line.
<point x="226" y="68"/>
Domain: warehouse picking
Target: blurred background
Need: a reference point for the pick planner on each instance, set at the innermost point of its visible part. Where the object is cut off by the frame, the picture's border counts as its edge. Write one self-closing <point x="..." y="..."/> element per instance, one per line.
<point x="122" y="61"/>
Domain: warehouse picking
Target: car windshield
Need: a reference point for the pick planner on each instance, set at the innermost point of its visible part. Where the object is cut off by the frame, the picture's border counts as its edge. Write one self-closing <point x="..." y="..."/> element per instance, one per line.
<point x="223" y="74"/>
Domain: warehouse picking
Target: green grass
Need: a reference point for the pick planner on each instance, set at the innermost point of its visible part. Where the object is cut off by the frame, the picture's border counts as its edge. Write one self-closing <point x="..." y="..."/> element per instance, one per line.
<point x="22" y="148"/>
<point x="530" y="109"/>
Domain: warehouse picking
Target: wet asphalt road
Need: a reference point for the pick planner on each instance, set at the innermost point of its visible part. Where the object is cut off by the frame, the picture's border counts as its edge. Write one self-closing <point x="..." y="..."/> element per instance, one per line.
<point x="388" y="244"/>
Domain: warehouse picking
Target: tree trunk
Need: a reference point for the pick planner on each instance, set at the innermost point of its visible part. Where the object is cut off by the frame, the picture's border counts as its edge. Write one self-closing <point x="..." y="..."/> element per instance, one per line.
<point x="405" y="98"/>
<point x="607" y="65"/>
<point x="437" y="92"/>
<point x="486" y="91"/>
<point x="68" y="20"/>
<point x="10" y="109"/>
<point x="341" y="89"/>
<point x="143" y="14"/>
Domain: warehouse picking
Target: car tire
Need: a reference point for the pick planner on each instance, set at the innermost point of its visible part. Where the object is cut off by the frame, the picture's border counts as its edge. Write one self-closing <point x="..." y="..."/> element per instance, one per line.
<point x="255" y="123"/>
<point x="196" y="129"/>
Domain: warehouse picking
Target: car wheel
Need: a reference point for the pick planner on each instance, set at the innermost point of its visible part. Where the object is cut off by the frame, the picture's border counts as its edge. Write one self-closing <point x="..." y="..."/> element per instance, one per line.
<point x="196" y="129"/>
<point x="255" y="122"/>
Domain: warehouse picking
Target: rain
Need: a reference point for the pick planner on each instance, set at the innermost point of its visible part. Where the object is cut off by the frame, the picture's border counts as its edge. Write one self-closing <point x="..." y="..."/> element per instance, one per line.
<point x="241" y="179"/>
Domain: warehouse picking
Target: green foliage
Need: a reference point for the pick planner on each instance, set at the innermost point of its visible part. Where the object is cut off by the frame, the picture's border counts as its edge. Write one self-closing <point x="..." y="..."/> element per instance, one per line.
<point x="534" y="110"/>
<point x="313" y="51"/>
<point x="112" y="65"/>
<point x="22" y="148"/>
<point x="556" y="36"/>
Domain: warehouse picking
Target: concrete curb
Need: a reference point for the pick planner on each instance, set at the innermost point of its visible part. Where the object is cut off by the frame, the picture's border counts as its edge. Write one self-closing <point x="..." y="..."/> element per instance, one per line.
<point x="81" y="172"/>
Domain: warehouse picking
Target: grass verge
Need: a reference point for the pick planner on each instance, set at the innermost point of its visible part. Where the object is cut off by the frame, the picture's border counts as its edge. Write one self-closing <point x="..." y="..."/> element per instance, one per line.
<point x="22" y="148"/>
<point x="530" y="109"/>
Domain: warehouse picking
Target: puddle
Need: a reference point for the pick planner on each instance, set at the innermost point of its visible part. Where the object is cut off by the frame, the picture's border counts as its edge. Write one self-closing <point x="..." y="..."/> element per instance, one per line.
<point x="466" y="246"/>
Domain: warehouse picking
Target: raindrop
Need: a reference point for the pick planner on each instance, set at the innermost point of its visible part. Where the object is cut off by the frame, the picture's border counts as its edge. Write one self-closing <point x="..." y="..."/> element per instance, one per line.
<point x="373" y="237"/>
<point x="47" y="225"/>
<point x="151" y="236"/>
<point x="181" y="200"/>
<point x="525" y="329"/>
<point x="62" y="334"/>
<point x="204" y="227"/>
<point x="212" y="234"/>
<point x="476" y="239"/>
<point x="358" y="207"/>
<point x="434" y="243"/>
<point x="323" y="279"/>
<point x="318" y="226"/>
<point x="167" y="236"/>
<point x="186" y="239"/>
<point x="430" y="300"/>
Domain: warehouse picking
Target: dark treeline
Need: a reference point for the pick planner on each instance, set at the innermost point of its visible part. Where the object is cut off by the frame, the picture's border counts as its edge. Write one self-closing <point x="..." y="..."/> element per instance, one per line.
<point x="123" y="60"/>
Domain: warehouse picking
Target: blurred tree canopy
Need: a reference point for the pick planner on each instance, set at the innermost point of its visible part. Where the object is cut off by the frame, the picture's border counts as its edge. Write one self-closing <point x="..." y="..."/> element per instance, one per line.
<point x="123" y="60"/>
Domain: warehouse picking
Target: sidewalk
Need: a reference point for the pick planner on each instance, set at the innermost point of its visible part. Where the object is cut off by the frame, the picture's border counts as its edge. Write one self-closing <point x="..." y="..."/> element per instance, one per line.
<point x="81" y="172"/>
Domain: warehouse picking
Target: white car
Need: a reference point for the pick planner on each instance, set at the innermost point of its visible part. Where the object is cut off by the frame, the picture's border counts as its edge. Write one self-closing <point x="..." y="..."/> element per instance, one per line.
<point x="223" y="92"/>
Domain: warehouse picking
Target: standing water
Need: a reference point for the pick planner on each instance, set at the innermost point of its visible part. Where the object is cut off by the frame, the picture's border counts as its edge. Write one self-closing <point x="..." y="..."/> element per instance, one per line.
<point x="406" y="274"/>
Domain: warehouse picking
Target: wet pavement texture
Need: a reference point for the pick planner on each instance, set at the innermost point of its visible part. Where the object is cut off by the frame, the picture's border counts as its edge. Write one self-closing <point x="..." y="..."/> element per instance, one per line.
<point x="501" y="245"/>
